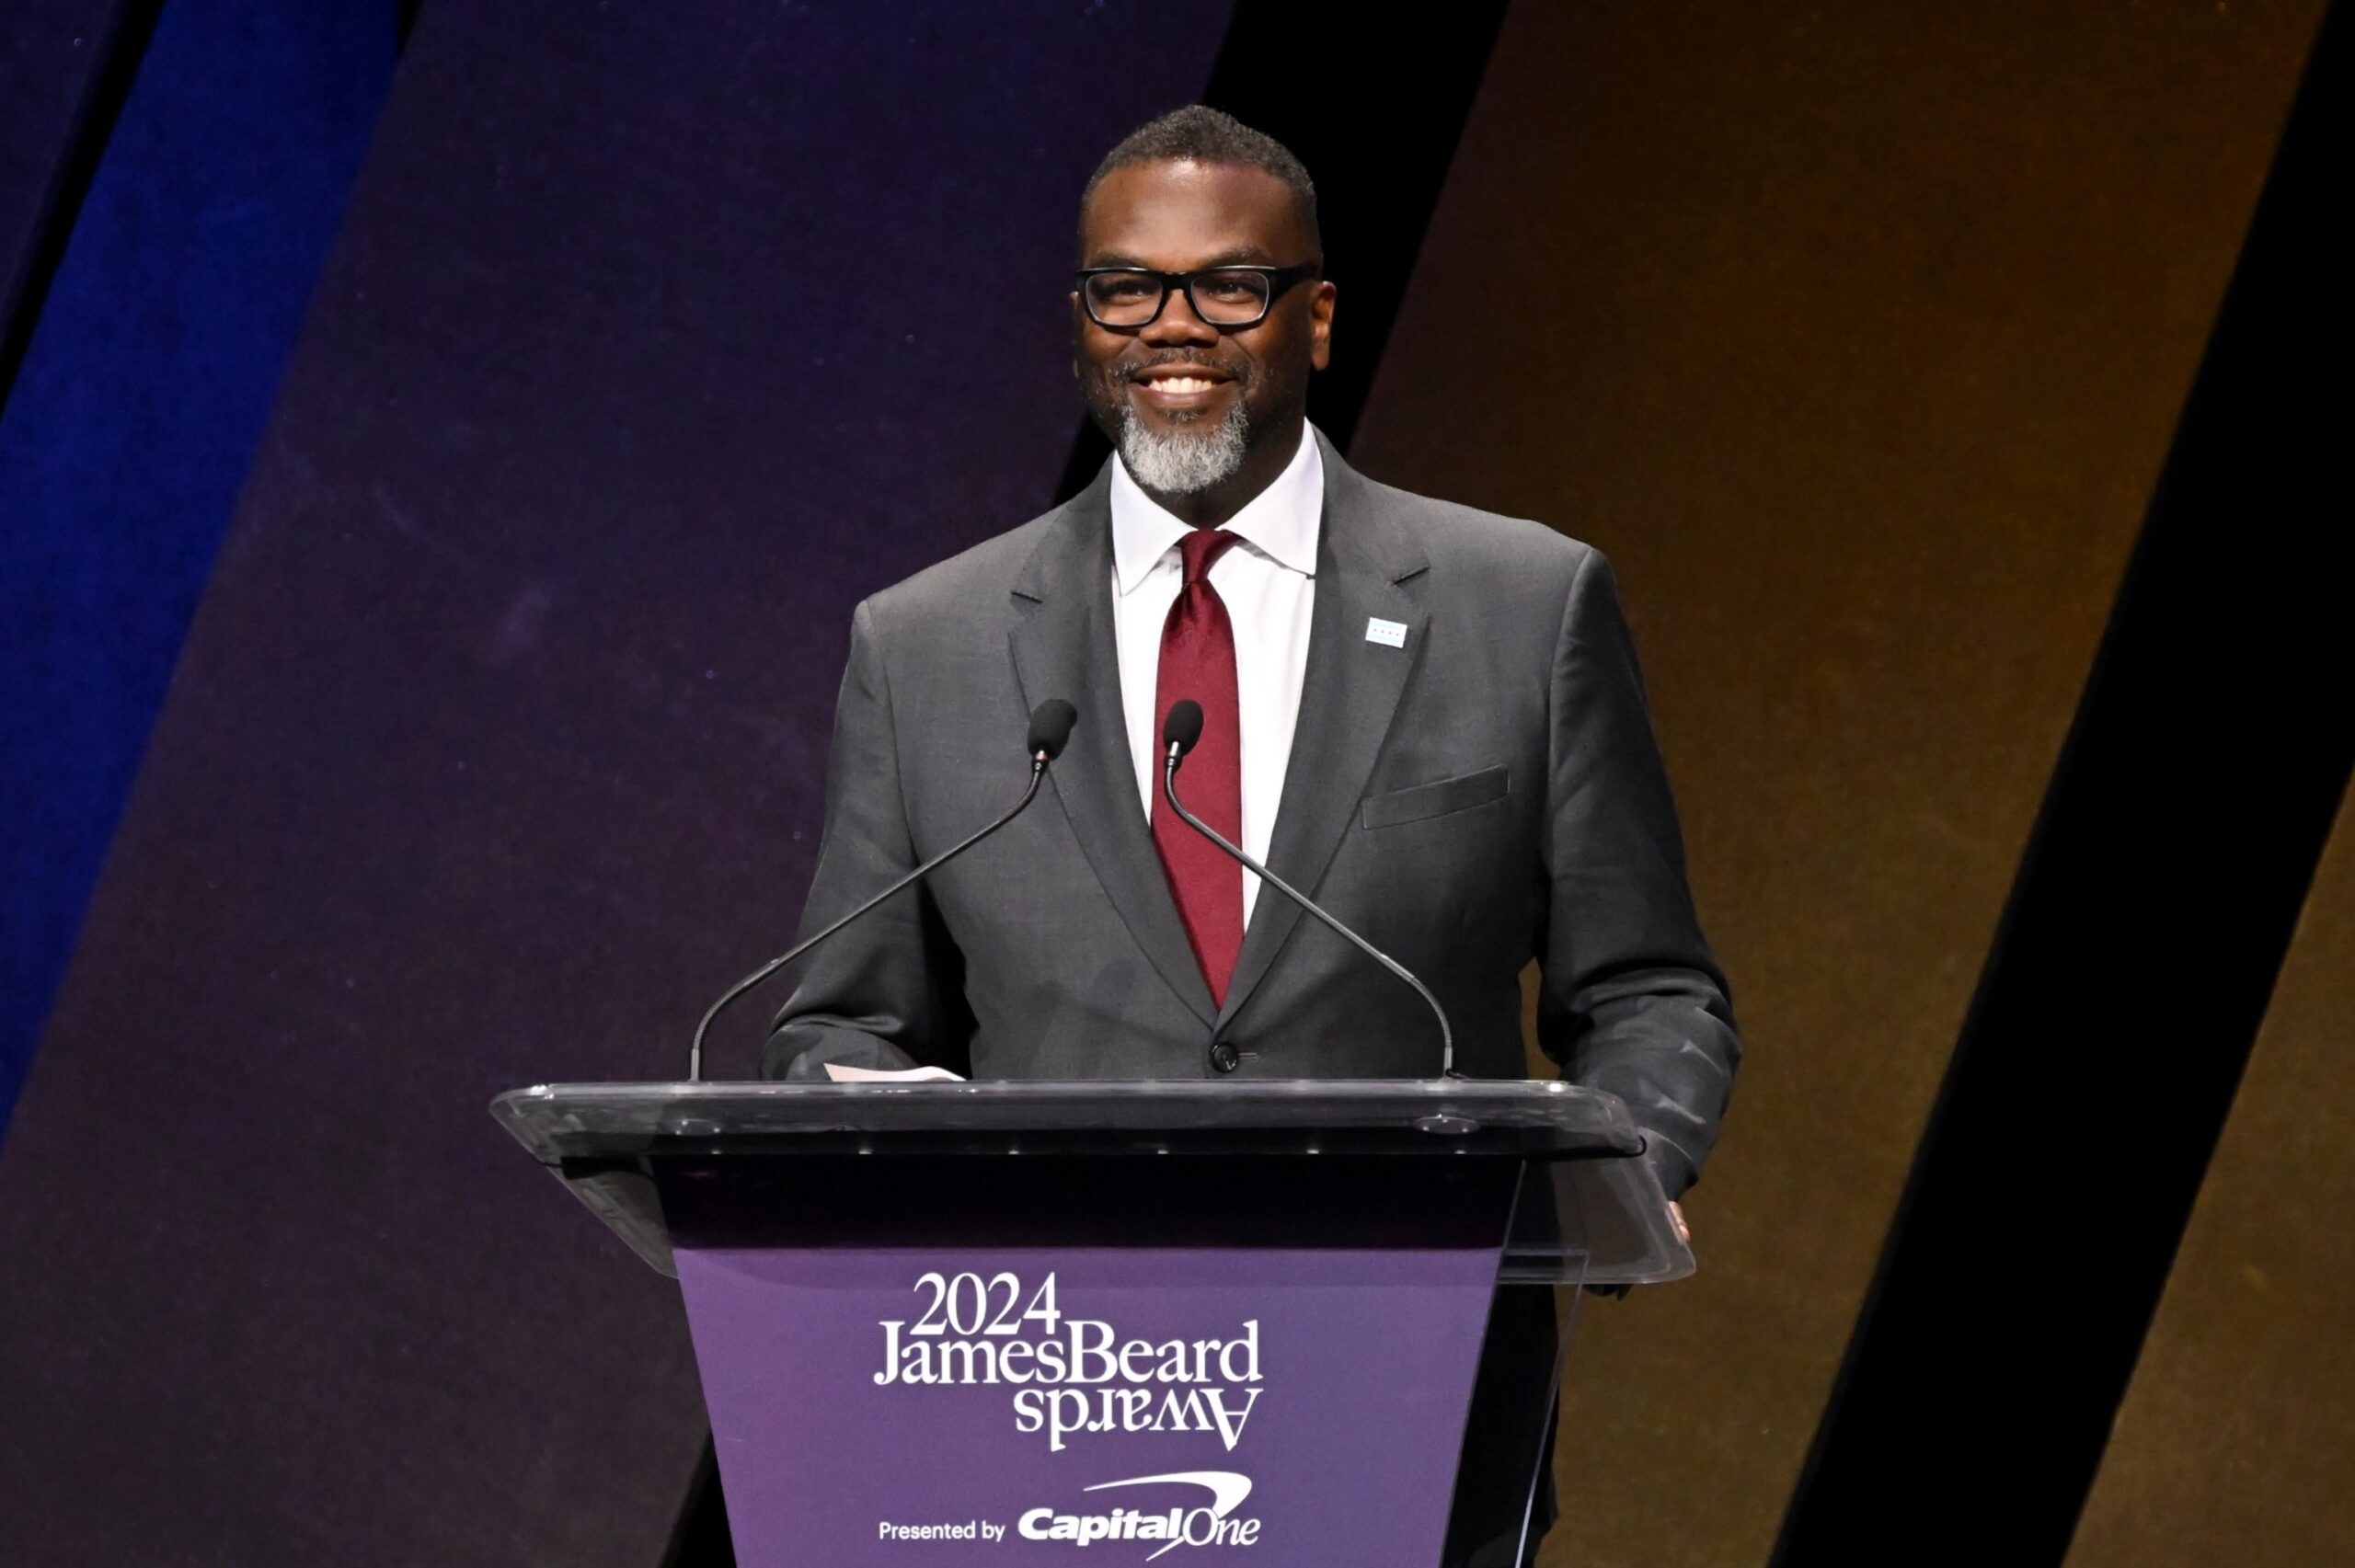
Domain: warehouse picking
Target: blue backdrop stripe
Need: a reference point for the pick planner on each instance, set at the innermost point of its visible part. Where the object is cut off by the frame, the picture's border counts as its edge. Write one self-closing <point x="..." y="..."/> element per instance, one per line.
<point x="135" y="416"/>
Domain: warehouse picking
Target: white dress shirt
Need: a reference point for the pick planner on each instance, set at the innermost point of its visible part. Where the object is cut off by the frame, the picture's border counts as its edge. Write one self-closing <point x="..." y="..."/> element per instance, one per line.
<point x="1268" y="585"/>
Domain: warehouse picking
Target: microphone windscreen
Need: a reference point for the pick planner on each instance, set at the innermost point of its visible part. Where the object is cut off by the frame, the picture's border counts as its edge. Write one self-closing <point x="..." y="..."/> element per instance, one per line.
<point x="1050" y="728"/>
<point x="1184" y="726"/>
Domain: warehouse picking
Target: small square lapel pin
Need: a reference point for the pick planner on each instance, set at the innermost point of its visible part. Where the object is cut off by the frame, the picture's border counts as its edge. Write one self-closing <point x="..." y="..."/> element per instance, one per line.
<point x="1389" y="633"/>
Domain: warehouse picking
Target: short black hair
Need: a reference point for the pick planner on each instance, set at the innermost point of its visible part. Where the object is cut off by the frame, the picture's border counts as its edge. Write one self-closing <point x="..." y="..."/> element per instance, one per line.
<point x="1206" y="135"/>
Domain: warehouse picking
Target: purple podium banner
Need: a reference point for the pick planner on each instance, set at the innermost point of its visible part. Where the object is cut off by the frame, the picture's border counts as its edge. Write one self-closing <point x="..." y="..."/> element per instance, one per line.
<point x="1269" y="1407"/>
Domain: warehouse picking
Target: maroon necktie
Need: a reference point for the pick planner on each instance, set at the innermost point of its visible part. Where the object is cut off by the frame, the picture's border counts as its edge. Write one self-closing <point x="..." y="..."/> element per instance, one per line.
<point x="1198" y="662"/>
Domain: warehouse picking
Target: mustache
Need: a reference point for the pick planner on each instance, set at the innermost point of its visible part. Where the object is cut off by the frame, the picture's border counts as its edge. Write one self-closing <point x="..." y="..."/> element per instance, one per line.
<point x="1240" y="373"/>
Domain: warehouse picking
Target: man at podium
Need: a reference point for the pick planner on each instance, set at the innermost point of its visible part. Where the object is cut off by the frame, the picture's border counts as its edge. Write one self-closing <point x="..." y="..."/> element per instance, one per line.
<point x="1427" y="718"/>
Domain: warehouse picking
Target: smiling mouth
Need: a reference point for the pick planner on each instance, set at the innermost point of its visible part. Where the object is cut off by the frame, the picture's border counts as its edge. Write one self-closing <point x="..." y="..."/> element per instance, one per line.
<point x="1176" y="387"/>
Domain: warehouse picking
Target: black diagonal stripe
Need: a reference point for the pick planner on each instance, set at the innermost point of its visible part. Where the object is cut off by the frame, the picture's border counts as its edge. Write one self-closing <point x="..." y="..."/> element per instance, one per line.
<point x="2150" y="916"/>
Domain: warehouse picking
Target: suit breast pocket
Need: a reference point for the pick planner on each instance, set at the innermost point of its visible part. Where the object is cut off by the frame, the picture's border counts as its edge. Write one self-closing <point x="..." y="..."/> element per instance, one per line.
<point x="1435" y="799"/>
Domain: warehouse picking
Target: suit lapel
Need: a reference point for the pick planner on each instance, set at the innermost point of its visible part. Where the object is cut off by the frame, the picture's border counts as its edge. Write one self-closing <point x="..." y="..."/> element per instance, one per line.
<point x="1064" y="647"/>
<point x="1347" y="700"/>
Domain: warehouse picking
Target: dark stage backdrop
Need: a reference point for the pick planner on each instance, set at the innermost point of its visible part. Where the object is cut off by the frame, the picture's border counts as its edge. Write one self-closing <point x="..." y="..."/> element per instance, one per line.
<point x="1858" y="334"/>
<point x="656" y="337"/>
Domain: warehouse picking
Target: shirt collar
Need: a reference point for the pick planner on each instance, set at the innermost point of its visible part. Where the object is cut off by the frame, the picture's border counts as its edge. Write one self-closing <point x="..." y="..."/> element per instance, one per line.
<point x="1281" y="522"/>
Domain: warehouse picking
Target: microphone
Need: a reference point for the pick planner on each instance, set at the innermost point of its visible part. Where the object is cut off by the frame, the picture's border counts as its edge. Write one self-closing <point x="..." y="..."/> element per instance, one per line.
<point x="1180" y="731"/>
<point x="1050" y="728"/>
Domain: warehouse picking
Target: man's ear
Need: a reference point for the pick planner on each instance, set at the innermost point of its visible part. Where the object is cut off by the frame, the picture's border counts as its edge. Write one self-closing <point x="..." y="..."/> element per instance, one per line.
<point x="1320" y="325"/>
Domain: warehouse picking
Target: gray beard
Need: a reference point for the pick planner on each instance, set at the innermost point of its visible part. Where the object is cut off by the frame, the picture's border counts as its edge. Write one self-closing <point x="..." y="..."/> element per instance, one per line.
<point x="1182" y="463"/>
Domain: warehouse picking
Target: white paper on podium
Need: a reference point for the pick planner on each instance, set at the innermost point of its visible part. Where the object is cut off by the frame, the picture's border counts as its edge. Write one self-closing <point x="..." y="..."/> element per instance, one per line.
<point x="841" y="1074"/>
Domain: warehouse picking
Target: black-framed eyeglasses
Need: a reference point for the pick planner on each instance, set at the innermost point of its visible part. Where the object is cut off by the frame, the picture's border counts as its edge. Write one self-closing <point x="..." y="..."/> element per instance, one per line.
<point x="1126" y="297"/>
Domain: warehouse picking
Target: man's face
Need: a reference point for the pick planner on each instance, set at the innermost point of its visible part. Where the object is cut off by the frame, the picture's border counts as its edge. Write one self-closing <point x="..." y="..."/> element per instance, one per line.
<point x="1180" y="382"/>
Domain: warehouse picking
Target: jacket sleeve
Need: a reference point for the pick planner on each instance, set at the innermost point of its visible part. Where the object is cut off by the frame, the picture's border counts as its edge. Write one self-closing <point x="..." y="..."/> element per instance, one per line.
<point x="870" y="995"/>
<point x="1632" y="1002"/>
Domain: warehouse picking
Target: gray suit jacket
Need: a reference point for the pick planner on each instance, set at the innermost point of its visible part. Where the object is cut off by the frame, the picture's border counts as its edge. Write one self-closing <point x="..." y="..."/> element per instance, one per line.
<point x="1488" y="792"/>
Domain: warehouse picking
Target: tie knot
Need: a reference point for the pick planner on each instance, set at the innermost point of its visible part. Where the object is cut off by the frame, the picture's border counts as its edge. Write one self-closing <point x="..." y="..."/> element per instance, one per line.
<point x="1200" y="549"/>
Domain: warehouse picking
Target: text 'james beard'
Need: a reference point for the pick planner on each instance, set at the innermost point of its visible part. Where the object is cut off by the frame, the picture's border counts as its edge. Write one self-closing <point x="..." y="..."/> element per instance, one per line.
<point x="1073" y="1375"/>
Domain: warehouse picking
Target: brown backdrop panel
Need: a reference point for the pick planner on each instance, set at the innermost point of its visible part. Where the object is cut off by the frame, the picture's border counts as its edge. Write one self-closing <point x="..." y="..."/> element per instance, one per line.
<point x="1855" y="334"/>
<point x="2234" y="1443"/>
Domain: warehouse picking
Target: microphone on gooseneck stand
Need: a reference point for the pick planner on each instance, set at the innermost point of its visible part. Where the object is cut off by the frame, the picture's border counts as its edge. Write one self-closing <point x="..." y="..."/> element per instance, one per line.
<point x="1179" y="733"/>
<point x="1050" y="727"/>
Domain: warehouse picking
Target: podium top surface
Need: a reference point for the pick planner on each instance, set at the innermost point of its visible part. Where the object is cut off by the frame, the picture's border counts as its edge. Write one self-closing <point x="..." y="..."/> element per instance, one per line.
<point x="1527" y="1118"/>
<point x="1596" y="1212"/>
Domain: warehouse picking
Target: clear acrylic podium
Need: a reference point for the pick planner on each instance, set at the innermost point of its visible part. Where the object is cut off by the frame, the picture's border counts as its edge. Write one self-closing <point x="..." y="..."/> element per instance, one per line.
<point x="1309" y="1322"/>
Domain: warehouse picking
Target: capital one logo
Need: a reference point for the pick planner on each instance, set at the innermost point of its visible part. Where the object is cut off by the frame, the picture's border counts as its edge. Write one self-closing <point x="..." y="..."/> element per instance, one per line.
<point x="1204" y="1524"/>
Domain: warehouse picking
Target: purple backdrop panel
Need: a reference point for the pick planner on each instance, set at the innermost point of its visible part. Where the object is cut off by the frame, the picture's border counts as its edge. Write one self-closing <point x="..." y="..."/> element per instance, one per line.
<point x="1006" y="1407"/>
<point x="656" y="336"/>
